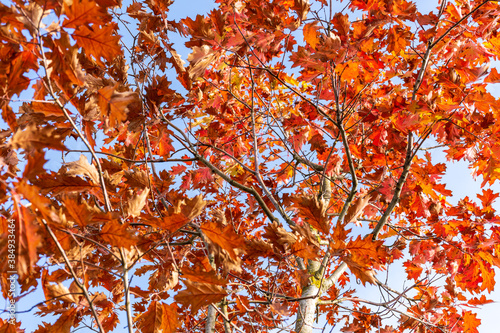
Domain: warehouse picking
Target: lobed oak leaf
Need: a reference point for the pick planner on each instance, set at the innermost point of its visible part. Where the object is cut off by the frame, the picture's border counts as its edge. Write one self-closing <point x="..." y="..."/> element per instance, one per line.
<point x="193" y="207"/>
<point x="470" y="322"/>
<point x="183" y="212"/>
<point x="136" y="178"/>
<point x="80" y="213"/>
<point x="164" y="278"/>
<point x="493" y="77"/>
<point x="479" y="301"/>
<point x="200" y="294"/>
<point x="137" y="203"/>
<point x="224" y="238"/>
<point x="82" y="167"/>
<point x="313" y="211"/>
<point x="413" y="270"/>
<point x="200" y="59"/>
<point x="280" y="308"/>
<point x="36" y="138"/>
<point x="113" y="104"/>
<point x="62" y="325"/>
<point x="119" y="235"/>
<point x="197" y="274"/>
<point x="47" y="109"/>
<point x="310" y="34"/>
<point x="159" y="318"/>
<point x="177" y="169"/>
<point x="172" y="222"/>
<point x="278" y="236"/>
<point x="60" y="292"/>
<point x="363" y="274"/>
<point x="83" y="12"/>
<point x="356" y="209"/>
<point x="304" y="250"/>
<point x="99" y="42"/>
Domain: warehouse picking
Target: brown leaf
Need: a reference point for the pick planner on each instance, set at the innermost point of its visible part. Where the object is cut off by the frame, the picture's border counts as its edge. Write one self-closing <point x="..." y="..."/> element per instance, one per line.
<point x="356" y="209"/>
<point x="34" y="167"/>
<point x="82" y="167"/>
<point x="279" y="236"/>
<point x="60" y="292"/>
<point x="79" y="213"/>
<point x="136" y="178"/>
<point x="113" y="104"/>
<point x="33" y="137"/>
<point x="200" y="58"/>
<point x="363" y="274"/>
<point x="200" y="294"/>
<point x="313" y="211"/>
<point x="63" y="323"/>
<point x="98" y="42"/>
<point x="64" y="184"/>
<point x="159" y="318"/>
<point x="304" y="250"/>
<point x="47" y="109"/>
<point x="197" y="274"/>
<point x="224" y="238"/>
<point x="118" y="235"/>
<point x="137" y="203"/>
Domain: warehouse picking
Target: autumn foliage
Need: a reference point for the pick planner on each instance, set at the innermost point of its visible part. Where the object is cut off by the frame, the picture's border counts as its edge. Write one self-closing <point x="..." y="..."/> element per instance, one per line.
<point x="267" y="182"/>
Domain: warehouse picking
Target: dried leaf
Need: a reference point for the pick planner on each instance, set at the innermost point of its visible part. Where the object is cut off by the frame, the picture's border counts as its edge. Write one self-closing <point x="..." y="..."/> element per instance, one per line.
<point x="225" y="238"/>
<point x="118" y="235"/>
<point x="313" y="211"/>
<point x="83" y="167"/>
<point x="159" y="318"/>
<point x="137" y="203"/>
<point x="200" y="294"/>
<point x="33" y="137"/>
<point x="200" y="59"/>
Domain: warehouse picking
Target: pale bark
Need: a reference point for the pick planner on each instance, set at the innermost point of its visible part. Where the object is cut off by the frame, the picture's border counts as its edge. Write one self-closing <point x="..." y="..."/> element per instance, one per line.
<point x="307" y="309"/>
<point x="211" y="317"/>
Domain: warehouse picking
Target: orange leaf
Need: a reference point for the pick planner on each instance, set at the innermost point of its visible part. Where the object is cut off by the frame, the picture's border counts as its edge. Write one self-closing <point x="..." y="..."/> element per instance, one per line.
<point x="118" y="235"/>
<point x="47" y="109"/>
<point x="98" y="42"/>
<point x="82" y="12"/>
<point x="356" y="209"/>
<point x="200" y="294"/>
<point x="310" y="34"/>
<point x="493" y="77"/>
<point x="159" y="318"/>
<point x="33" y="137"/>
<point x="471" y="322"/>
<point x="225" y="238"/>
<point x="313" y="211"/>
<point x="114" y="104"/>
<point x="62" y="325"/>
<point x="197" y="274"/>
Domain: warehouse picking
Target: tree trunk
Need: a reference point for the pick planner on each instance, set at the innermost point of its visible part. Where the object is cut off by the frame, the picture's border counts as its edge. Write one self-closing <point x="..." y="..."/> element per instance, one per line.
<point x="210" y="322"/>
<point x="307" y="309"/>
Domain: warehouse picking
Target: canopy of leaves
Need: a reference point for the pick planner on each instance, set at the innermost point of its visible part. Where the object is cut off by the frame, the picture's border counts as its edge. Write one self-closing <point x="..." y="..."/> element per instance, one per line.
<point x="280" y="170"/>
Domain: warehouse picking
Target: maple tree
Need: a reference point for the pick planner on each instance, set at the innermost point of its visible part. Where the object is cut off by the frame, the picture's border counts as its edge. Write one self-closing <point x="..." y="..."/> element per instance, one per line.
<point x="263" y="183"/>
